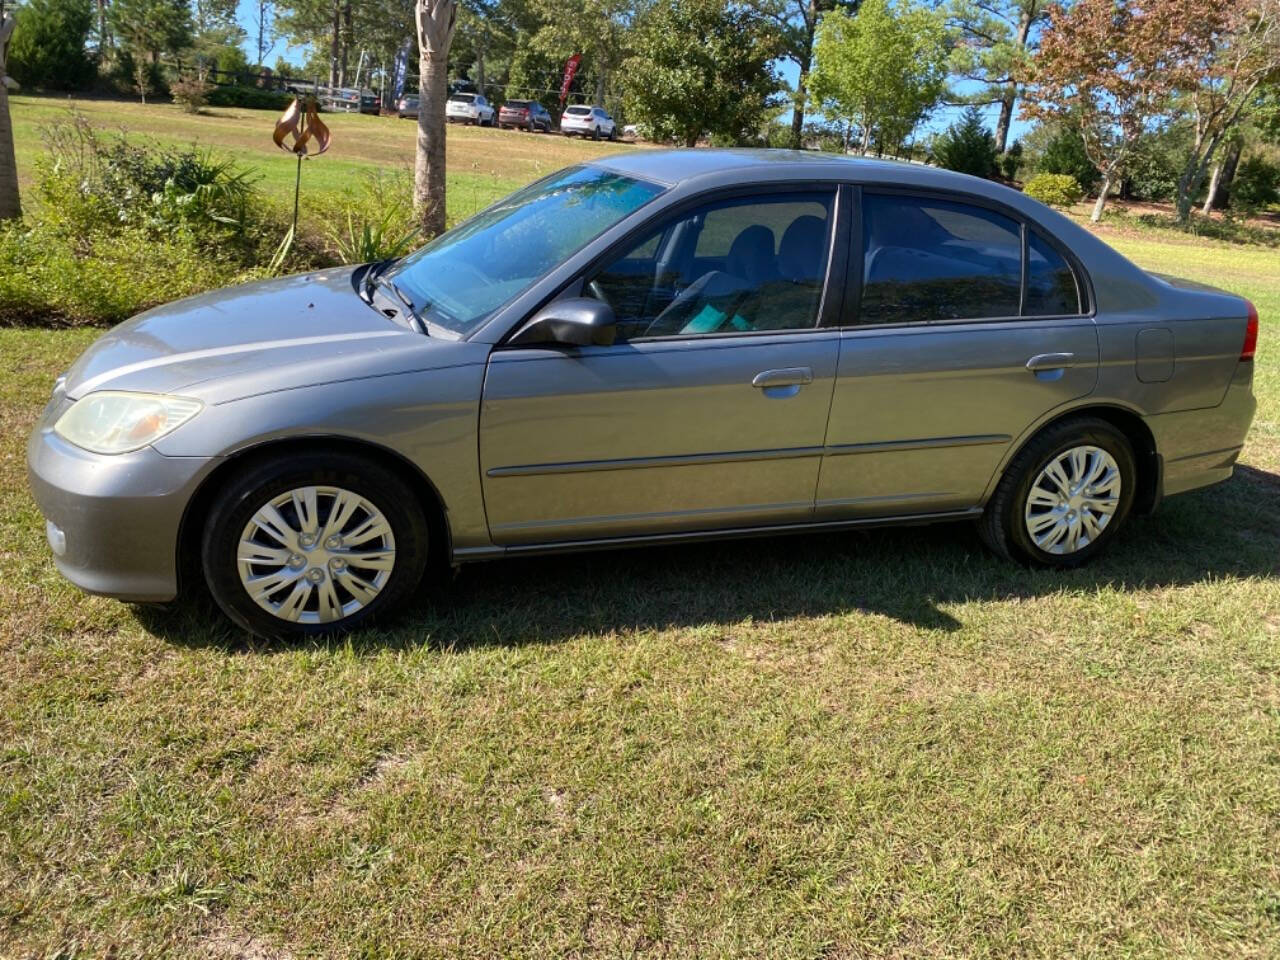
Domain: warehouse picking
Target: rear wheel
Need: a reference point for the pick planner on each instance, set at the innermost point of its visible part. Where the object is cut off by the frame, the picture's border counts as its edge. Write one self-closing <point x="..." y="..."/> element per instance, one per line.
<point x="1064" y="497"/>
<point x="311" y="545"/>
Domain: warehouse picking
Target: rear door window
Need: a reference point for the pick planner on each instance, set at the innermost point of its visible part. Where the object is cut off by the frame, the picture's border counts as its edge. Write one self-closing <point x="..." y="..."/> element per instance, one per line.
<point x="1051" y="284"/>
<point x="927" y="260"/>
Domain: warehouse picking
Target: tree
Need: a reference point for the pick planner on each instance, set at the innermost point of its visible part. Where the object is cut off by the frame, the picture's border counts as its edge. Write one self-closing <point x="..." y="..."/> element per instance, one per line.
<point x="262" y="28"/>
<point x="882" y="70"/>
<point x="10" y="206"/>
<point x="436" y="21"/>
<point x="797" y="22"/>
<point x="600" y="30"/>
<point x="701" y="67"/>
<point x="49" y="51"/>
<point x="967" y="146"/>
<point x="1225" y="50"/>
<point x="994" y="38"/>
<point x="149" y="28"/>
<point x="1104" y="67"/>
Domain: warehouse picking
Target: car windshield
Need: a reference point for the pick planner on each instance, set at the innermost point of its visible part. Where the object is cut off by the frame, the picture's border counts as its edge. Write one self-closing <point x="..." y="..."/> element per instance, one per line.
<point x="463" y="97"/>
<point x="578" y="111"/>
<point x="517" y="104"/>
<point x="461" y="277"/>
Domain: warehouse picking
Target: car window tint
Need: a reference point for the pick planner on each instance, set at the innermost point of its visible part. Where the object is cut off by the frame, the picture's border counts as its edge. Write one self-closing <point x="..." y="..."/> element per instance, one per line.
<point x="731" y="267"/>
<point x="1051" y="284"/>
<point x="928" y="260"/>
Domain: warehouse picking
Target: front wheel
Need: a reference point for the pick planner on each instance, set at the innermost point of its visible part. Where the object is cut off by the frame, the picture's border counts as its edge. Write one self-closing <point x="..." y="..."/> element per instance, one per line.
<point x="613" y="135"/>
<point x="311" y="545"/>
<point x="1065" y="495"/>
<point x="595" y="134"/>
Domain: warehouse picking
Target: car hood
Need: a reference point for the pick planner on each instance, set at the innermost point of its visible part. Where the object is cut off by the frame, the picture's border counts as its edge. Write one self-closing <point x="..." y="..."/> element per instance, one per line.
<point x="255" y="338"/>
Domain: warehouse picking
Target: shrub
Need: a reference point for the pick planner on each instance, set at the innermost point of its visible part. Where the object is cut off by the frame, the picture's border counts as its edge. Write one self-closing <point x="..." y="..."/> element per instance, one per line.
<point x="1152" y="172"/>
<point x="1256" y="185"/>
<point x="251" y="98"/>
<point x="376" y="217"/>
<point x="1065" y="153"/>
<point x="1055" y="189"/>
<point x="1011" y="161"/>
<point x="967" y="146"/>
<point x="119" y="226"/>
<point x="190" y="93"/>
<point x="47" y="49"/>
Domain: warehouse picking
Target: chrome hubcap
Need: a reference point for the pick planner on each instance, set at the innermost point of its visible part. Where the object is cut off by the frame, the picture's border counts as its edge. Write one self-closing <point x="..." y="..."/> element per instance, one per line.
<point x="316" y="554"/>
<point x="1073" y="499"/>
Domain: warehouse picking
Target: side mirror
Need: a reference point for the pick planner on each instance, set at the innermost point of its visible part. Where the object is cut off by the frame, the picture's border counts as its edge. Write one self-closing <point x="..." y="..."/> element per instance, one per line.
<point x="577" y="321"/>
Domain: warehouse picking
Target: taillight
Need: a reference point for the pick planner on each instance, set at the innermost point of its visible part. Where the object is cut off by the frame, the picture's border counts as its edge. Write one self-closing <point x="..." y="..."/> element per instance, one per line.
<point x="1250" y="334"/>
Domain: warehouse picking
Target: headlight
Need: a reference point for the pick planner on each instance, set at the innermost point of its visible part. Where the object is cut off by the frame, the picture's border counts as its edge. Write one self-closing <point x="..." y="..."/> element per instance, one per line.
<point x="113" y="421"/>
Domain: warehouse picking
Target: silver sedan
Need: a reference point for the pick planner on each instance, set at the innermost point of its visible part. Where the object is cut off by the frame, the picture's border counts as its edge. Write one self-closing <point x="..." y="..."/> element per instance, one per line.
<point x="651" y="347"/>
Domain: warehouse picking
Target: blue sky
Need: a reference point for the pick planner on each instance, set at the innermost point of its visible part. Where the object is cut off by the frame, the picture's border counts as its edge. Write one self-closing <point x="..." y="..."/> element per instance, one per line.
<point x="942" y="118"/>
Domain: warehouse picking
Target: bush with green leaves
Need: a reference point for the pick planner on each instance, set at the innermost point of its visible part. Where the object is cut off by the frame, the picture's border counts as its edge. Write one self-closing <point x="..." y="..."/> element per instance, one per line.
<point x="373" y="220"/>
<point x="967" y="146"/>
<point x="1055" y="189"/>
<point x="1256" y="185"/>
<point x="119" y="226"/>
<point x="251" y="98"/>
<point x="1065" y="153"/>
<point x="47" y="50"/>
<point x="1011" y="161"/>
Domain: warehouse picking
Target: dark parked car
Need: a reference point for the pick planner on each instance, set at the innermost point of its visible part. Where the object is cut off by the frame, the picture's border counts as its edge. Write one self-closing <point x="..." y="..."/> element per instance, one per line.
<point x="407" y="107"/>
<point x="655" y="346"/>
<point x="525" y="114"/>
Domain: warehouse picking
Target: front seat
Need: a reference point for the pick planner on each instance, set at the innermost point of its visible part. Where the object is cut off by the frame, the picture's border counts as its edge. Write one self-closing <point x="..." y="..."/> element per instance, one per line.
<point x="724" y="299"/>
<point x="792" y="300"/>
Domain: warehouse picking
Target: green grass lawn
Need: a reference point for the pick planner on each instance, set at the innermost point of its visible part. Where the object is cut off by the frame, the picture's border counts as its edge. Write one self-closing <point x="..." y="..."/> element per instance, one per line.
<point x="885" y="744"/>
<point x="483" y="164"/>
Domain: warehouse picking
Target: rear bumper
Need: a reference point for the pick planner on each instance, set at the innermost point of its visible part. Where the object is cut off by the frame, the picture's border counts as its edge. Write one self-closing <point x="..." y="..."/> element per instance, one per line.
<point x="113" y="521"/>
<point x="1200" y="447"/>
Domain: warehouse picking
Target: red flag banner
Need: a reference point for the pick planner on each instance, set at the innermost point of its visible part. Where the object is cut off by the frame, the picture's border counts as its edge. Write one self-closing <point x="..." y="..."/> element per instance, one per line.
<point x="570" y="70"/>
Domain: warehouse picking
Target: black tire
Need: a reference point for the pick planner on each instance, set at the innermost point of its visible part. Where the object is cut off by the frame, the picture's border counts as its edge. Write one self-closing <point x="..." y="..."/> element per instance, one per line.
<point x="1003" y="526"/>
<point x="613" y="135"/>
<point x="595" y="134"/>
<point x="267" y="479"/>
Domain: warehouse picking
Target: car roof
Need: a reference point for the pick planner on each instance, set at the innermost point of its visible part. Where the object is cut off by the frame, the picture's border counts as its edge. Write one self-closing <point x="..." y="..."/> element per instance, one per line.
<point x="672" y="167"/>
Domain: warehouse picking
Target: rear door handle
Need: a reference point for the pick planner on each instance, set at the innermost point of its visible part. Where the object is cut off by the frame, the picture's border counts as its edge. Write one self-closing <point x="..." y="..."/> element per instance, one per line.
<point x="1051" y="361"/>
<point x="784" y="377"/>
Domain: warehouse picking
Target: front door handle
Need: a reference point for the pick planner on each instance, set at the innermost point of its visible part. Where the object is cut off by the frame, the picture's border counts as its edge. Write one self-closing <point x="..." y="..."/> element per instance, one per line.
<point x="1051" y="361"/>
<point x="785" y="377"/>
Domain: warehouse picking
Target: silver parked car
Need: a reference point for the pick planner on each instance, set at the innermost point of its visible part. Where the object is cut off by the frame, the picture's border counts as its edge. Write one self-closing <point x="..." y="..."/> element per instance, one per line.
<point x="651" y="347"/>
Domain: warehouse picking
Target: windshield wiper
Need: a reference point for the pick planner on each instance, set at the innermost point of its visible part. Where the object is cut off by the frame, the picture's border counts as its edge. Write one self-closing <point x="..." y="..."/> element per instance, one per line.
<point x="375" y="280"/>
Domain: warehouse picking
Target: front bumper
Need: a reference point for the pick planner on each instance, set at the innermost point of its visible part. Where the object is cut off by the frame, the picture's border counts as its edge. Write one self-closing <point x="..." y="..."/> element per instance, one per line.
<point x="113" y="521"/>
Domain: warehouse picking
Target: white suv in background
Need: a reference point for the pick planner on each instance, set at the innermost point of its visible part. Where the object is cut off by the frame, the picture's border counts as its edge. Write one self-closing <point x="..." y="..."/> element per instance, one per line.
<point x="588" y="121"/>
<point x="469" y="108"/>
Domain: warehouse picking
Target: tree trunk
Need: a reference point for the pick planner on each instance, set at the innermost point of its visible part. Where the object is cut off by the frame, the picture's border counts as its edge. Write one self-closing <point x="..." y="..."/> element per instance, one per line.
<point x="1005" y="119"/>
<point x="1229" y="175"/>
<point x="436" y="21"/>
<point x="347" y="38"/>
<point x="334" y="41"/>
<point x="1010" y="95"/>
<point x="600" y="78"/>
<point x="10" y="207"/>
<point x="480" y="84"/>
<point x="1213" y="189"/>
<point x="1102" y="197"/>
<point x="103" y="40"/>
<point x="797" y="114"/>
<point x="865" y="144"/>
